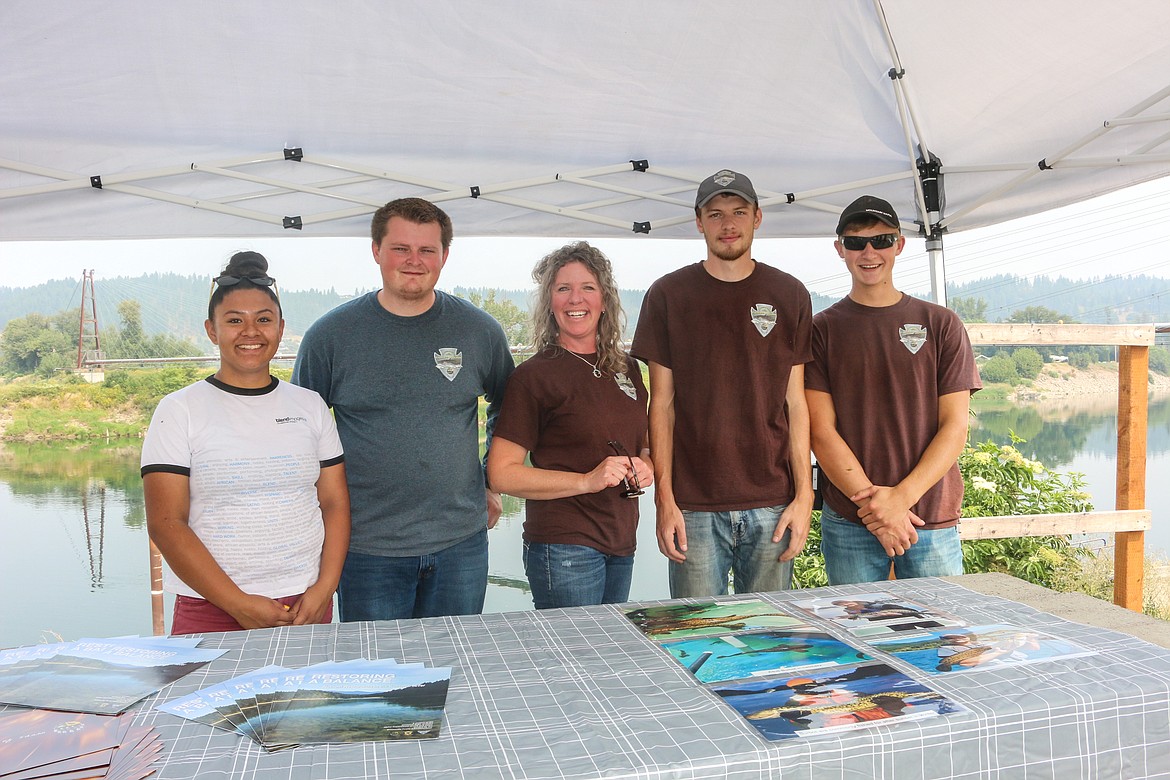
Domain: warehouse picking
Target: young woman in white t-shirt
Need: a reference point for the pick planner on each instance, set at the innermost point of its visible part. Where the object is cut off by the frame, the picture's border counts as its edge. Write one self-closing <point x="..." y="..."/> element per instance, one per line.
<point x="244" y="477"/>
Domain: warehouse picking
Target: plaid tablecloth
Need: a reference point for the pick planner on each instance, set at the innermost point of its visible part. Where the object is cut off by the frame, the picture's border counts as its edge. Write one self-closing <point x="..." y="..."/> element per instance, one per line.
<point x="580" y="693"/>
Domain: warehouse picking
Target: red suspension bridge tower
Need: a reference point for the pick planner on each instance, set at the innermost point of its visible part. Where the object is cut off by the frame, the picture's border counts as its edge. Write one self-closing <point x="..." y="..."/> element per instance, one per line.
<point x="89" y="346"/>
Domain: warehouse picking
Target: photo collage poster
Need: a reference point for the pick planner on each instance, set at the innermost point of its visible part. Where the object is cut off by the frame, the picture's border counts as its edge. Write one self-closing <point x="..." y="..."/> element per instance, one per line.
<point x="789" y="675"/>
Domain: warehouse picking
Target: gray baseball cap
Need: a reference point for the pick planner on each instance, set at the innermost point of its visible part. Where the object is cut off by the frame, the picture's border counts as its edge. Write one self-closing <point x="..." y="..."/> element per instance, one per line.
<point x="868" y="206"/>
<point x="725" y="182"/>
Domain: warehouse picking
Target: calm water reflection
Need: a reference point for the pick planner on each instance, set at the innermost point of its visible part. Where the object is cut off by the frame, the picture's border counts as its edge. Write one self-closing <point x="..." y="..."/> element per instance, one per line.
<point x="74" y="558"/>
<point x="1080" y="434"/>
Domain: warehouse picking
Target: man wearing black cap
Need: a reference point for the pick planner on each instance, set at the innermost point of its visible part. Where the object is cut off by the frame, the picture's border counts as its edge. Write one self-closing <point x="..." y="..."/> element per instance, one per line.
<point x="889" y="390"/>
<point x="726" y="340"/>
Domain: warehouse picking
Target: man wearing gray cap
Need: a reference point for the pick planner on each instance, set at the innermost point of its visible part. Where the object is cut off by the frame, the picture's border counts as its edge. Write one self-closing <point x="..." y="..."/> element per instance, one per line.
<point x="889" y="389"/>
<point x="726" y="340"/>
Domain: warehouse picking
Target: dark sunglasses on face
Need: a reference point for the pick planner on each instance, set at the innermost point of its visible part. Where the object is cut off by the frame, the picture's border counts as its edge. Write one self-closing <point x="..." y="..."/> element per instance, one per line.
<point x="630" y="487"/>
<point x="881" y="241"/>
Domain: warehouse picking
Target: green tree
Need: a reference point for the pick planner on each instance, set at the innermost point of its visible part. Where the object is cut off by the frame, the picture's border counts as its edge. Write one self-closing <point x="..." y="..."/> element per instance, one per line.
<point x="131" y="340"/>
<point x="1039" y="314"/>
<point x="1028" y="362"/>
<point x="34" y="343"/>
<point x="970" y="309"/>
<point x="128" y="340"/>
<point x="514" y="320"/>
<point x="1160" y="360"/>
<point x="1000" y="368"/>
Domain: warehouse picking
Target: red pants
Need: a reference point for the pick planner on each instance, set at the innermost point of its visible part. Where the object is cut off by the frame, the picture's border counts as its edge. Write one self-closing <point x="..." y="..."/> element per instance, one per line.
<point x="199" y="616"/>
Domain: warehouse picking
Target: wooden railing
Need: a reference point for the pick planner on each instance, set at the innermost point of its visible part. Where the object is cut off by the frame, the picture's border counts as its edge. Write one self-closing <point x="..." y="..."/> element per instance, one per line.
<point x="1131" y="519"/>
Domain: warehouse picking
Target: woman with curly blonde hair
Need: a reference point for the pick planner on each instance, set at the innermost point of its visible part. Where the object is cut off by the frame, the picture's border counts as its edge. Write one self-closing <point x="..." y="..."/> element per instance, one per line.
<point x="578" y="407"/>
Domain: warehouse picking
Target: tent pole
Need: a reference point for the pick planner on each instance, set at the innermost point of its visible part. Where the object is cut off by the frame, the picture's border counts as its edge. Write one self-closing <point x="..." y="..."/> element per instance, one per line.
<point x="938" y="269"/>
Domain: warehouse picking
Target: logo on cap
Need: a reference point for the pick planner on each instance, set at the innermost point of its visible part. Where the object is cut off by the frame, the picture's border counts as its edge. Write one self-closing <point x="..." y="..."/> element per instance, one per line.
<point x="723" y="178"/>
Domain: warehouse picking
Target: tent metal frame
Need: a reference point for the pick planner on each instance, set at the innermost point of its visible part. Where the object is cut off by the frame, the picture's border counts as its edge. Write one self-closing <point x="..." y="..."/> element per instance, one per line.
<point x="438" y="191"/>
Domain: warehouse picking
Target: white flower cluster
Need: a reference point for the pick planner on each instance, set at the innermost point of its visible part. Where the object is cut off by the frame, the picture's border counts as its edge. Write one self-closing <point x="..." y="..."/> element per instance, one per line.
<point x="979" y="483"/>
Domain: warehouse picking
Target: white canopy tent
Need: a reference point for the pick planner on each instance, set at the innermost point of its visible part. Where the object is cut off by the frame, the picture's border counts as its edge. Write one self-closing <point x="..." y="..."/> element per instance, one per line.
<point x="138" y="119"/>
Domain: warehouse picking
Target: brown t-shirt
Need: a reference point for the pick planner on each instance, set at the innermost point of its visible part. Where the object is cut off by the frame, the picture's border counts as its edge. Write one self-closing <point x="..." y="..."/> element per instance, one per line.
<point x="565" y="417"/>
<point x="886" y="368"/>
<point x="731" y="347"/>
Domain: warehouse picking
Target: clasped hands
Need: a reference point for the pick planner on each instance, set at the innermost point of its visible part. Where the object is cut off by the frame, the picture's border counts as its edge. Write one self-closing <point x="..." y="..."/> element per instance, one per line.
<point x="886" y="514"/>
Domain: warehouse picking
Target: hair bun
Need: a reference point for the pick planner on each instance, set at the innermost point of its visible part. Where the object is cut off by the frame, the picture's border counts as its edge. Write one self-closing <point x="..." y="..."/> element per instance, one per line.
<point x="246" y="264"/>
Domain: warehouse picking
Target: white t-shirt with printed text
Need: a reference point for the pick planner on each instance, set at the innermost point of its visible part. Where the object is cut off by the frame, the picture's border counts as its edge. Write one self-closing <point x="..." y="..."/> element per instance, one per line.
<point x="253" y="458"/>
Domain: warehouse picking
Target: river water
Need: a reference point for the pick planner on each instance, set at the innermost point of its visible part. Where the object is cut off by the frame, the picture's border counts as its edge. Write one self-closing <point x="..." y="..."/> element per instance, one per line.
<point x="74" y="559"/>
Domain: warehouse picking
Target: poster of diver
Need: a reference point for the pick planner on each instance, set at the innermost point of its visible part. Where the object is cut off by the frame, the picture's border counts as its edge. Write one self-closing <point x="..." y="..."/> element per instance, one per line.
<point x="768" y="653"/>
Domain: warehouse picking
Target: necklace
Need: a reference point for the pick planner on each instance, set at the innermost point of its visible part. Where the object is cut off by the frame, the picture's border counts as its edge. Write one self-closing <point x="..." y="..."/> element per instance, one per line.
<point x="594" y="366"/>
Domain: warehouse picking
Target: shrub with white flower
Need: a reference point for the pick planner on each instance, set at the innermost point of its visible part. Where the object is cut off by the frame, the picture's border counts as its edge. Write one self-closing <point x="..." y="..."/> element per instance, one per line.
<point x="999" y="480"/>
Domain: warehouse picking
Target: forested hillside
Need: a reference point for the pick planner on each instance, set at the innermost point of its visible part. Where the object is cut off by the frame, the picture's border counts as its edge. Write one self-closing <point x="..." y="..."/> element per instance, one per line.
<point x="1102" y="300"/>
<point x="176" y="305"/>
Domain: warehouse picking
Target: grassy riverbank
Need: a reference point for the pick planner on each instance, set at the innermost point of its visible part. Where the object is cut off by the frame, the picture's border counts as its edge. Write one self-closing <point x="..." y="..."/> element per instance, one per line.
<point x="68" y="408"/>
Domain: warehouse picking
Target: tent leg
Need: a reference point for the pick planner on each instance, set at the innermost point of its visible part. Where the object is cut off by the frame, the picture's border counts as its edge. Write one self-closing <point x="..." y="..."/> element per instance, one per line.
<point x="938" y="272"/>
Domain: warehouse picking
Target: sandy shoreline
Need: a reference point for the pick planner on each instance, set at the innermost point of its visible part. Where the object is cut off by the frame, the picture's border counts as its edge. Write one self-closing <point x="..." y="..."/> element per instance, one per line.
<point x="1060" y="380"/>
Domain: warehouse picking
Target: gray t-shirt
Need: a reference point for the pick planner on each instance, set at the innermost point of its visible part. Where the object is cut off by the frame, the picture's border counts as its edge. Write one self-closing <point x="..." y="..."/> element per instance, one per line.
<point x="405" y="392"/>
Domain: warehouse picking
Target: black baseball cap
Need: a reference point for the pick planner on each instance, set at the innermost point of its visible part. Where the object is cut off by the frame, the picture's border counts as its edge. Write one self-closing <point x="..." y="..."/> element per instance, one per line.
<point x="868" y="206"/>
<point x="725" y="182"/>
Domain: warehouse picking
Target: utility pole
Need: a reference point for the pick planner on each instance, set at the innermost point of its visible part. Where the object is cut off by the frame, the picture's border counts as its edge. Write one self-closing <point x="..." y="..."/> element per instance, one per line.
<point x="89" y="345"/>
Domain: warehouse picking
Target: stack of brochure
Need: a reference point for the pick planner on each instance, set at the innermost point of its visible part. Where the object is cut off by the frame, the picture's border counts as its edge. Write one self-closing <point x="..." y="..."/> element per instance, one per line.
<point x="786" y="677"/>
<point x="347" y="701"/>
<point x="101" y="677"/>
<point x="792" y="676"/>
<point x="43" y="744"/>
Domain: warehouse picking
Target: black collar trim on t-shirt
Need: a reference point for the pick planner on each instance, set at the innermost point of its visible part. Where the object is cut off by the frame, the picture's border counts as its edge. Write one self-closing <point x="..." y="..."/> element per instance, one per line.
<point x="243" y="390"/>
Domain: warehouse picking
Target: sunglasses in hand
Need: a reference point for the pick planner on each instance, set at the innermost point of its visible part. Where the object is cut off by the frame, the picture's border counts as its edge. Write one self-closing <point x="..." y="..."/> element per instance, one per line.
<point x="630" y="486"/>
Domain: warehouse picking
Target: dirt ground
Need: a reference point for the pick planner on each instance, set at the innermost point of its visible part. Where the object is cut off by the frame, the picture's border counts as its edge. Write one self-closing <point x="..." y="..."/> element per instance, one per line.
<point x="1060" y="380"/>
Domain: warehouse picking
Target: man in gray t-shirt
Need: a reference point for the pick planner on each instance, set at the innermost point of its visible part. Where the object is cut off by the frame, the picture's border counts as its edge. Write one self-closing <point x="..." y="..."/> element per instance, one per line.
<point x="403" y="370"/>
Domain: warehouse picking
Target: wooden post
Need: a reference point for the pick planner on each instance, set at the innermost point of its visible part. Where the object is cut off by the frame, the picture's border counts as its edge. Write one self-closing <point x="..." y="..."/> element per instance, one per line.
<point x="156" y="591"/>
<point x="1132" y="419"/>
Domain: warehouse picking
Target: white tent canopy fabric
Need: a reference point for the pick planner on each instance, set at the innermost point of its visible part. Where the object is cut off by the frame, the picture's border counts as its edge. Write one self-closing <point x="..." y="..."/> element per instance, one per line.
<point x="139" y="119"/>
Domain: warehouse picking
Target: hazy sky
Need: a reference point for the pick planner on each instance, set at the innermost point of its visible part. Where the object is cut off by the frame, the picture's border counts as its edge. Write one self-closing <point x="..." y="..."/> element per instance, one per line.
<point x="1122" y="233"/>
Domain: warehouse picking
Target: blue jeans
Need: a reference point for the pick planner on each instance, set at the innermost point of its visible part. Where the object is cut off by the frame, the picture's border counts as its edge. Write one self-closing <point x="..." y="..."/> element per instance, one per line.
<point x="449" y="582"/>
<point x="572" y="575"/>
<point x="738" y="542"/>
<point x="853" y="554"/>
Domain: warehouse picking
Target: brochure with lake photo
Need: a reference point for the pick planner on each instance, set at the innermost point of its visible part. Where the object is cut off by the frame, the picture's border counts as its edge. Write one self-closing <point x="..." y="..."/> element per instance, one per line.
<point x="346" y="701"/>
<point x="99" y="676"/>
<point x="398" y="702"/>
